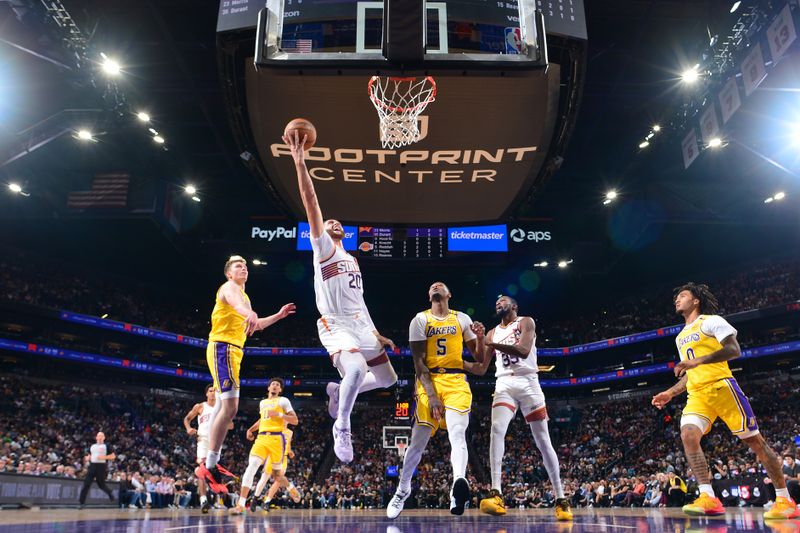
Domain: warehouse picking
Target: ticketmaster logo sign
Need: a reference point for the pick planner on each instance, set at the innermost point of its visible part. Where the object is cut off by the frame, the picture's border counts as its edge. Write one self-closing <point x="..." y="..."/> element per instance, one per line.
<point x="478" y="239"/>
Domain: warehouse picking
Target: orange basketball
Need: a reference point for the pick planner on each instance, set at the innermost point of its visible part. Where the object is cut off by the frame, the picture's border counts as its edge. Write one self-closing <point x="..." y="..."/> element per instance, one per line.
<point x="302" y="127"/>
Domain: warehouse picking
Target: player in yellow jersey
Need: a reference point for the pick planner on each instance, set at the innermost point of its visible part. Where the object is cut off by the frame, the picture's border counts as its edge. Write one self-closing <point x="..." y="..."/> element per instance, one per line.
<point x="232" y="321"/>
<point x="443" y="396"/>
<point x="270" y="445"/>
<point x="705" y="345"/>
<point x="266" y="473"/>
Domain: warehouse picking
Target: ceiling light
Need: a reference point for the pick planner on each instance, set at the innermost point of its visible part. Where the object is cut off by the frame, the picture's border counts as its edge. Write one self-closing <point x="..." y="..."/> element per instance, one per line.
<point x="151" y="130"/>
<point x="15" y="188"/>
<point x="190" y="189"/>
<point x="159" y="139"/>
<point x="85" y="135"/>
<point x="606" y="201"/>
<point x="195" y="198"/>
<point x="563" y="264"/>
<point x="735" y="6"/>
<point x="656" y="128"/>
<point x="110" y="66"/>
<point x="644" y="144"/>
<point x="144" y="117"/>
<point x="769" y="200"/>
<point x="690" y="75"/>
<point x="543" y="264"/>
<point x="716" y="142"/>
<point x="780" y="196"/>
<point x="258" y="262"/>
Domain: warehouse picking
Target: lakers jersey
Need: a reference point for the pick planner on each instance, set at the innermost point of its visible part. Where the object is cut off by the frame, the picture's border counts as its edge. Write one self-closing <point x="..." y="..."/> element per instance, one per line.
<point x="444" y="337"/>
<point x="275" y="423"/>
<point x="701" y="338"/>
<point x="226" y="324"/>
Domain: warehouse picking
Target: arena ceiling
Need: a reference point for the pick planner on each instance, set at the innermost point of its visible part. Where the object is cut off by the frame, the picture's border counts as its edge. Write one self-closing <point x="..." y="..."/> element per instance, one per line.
<point x="168" y="53"/>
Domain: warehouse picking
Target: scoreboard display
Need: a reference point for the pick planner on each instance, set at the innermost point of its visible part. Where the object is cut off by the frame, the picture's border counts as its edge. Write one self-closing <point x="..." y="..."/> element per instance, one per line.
<point x="401" y="243"/>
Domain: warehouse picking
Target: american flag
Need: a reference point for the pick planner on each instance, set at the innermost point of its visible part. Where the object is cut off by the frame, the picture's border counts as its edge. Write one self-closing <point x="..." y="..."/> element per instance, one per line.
<point x="108" y="191"/>
<point x="297" y="46"/>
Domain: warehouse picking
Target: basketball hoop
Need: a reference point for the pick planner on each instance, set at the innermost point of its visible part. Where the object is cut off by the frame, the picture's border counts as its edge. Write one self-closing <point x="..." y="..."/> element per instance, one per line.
<point x="399" y="102"/>
<point x="401" y="449"/>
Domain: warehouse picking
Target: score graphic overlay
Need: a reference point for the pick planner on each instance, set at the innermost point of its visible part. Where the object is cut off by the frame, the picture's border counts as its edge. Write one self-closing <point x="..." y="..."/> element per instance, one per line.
<point x="416" y="243"/>
<point x="402" y="410"/>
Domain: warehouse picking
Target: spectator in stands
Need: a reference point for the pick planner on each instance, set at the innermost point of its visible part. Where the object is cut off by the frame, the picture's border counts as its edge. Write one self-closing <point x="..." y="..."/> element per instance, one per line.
<point x="676" y="490"/>
<point x="791" y="472"/>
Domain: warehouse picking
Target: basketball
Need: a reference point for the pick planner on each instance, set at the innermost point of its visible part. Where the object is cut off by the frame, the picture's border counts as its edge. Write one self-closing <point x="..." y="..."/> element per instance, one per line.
<point x="302" y="127"/>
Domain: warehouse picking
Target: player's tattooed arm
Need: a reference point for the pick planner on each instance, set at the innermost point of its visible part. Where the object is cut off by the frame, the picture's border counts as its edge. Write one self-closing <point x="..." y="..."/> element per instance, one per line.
<point x="730" y="350"/>
<point x="424" y="376"/>
<point x="523" y="347"/>
<point x="663" y="398"/>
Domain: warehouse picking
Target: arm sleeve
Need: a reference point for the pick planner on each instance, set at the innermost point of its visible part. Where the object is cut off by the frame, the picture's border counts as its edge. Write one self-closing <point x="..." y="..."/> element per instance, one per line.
<point x="717" y="327"/>
<point x="416" y="330"/>
<point x="323" y="246"/>
<point x="286" y="405"/>
<point x="465" y="322"/>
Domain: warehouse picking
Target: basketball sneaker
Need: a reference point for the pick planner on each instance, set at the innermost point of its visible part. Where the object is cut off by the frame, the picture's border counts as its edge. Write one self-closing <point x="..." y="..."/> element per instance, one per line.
<point x="563" y="512"/>
<point x="704" y="505"/>
<point x="397" y="503"/>
<point x="783" y="508"/>
<point x="294" y="494"/>
<point x="333" y="399"/>
<point x="213" y="478"/>
<point x="342" y="444"/>
<point x="459" y="496"/>
<point x="254" y="504"/>
<point x="206" y="506"/>
<point x="494" y="504"/>
<point x="238" y="509"/>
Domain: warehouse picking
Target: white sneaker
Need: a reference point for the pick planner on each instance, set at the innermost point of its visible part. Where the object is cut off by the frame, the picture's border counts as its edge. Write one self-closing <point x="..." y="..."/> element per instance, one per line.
<point x="459" y="496"/>
<point x="333" y="399"/>
<point x="342" y="444"/>
<point x="396" y="504"/>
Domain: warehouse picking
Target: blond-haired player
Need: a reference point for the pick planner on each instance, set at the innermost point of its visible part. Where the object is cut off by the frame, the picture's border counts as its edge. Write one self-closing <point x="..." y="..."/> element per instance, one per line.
<point x="705" y="346"/>
<point x="232" y="321"/>
<point x="443" y="396"/>
<point x="345" y="326"/>
<point x="270" y="445"/>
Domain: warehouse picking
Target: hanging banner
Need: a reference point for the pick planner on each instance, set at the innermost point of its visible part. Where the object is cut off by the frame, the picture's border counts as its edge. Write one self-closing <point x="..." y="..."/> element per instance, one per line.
<point x="753" y="70"/>
<point x="689" y="148"/>
<point x="709" y="125"/>
<point x="729" y="99"/>
<point x="781" y="34"/>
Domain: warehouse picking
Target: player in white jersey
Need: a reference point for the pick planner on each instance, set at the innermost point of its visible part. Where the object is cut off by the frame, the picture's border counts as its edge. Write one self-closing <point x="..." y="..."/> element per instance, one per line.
<point x="202" y="411"/>
<point x="345" y="327"/>
<point x="513" y="343"/>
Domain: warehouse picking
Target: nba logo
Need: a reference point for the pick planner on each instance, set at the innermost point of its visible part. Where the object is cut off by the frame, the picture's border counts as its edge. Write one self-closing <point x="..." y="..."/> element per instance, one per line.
<point x="513" y="41"/>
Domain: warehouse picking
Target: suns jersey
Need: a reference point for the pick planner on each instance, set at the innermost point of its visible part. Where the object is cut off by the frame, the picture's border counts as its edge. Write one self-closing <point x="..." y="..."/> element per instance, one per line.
<point x="511" y="365"/>
<point x="204" y="420"/>
<point x="275" y="423"/>
<point x="337" y="280"/>
<point x="226" y="324"/>
<point x="444" y="337"/>
<point x="703" y="337"/>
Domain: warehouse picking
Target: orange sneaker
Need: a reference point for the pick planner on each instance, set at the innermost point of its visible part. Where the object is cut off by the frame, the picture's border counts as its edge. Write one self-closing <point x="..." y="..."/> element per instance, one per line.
<point x="705" y="505"/>
<point x="783" y="508"/>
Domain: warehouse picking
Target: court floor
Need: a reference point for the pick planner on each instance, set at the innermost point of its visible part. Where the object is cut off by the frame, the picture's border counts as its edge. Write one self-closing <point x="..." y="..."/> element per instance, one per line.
<point x="375" y="521"/>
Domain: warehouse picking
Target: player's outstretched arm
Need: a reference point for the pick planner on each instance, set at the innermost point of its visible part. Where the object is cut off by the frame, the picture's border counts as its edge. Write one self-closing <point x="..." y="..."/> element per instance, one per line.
<point x="191" y="415"/>
<point x="481" y="365"/>
<point x="523" y="348"/>
<point x="307" y="193"/>
<point x="232" y="295"/>
<point x="286" y="310"/>
<point x="423" y="373"/>
<point x="663" y="398"/>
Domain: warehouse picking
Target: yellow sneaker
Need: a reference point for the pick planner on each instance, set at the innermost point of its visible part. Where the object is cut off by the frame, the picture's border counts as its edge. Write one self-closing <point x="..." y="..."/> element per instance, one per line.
<point x="294" y="494"/>
<point x="705" y="505"/>
<point x="237" y="510"/>
<point x="563" y="512"/>
<point x="494" y="504"/>
<point x="783" y="508"/>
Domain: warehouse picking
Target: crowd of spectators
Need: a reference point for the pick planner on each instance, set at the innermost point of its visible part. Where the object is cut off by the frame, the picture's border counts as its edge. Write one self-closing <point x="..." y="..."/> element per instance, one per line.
<point x="618" y="453"/>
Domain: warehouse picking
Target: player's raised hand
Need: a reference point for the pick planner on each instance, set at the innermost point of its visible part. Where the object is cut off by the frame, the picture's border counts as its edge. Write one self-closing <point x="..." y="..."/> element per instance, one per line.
<point x="296" y="144"/>
<point x="478" y="329"/>
<point x="288" y="309"/>
<point x="661" y="399"/>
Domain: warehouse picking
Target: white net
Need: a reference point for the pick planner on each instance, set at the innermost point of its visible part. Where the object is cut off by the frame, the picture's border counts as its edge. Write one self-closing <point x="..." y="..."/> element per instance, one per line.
<point x="401" y="450"/>
<point x="399" y="102"/>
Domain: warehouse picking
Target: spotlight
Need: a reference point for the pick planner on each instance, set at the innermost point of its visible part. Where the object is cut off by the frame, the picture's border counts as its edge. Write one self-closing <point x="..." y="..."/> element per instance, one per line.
<point x="151" y="130"/>
<point x="259" y="262"/>
<point x="644" y="144"/>
<point x="196" y="199"/>
<point x="769" y="200"/>
<point x="656" y="128"/>
<point x="780" y="196"/>
<point x="562" y="264"/>
<point x="190" y="190"/>
<point x="543" y="264"/>
<point x="15" y="188"/>
<point x="144" y="117"/>
<point x="606" y="201"/>
<point x="735" y="6"/>
<point x="716" y="142"/>
<point x="85" y="135"/>
<point x="611" y="194"/>
<point x="649" y="136"/>
<point x="110" y="66"/>
<point x="690" y="75"/>
<point x="159" y="139"/>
